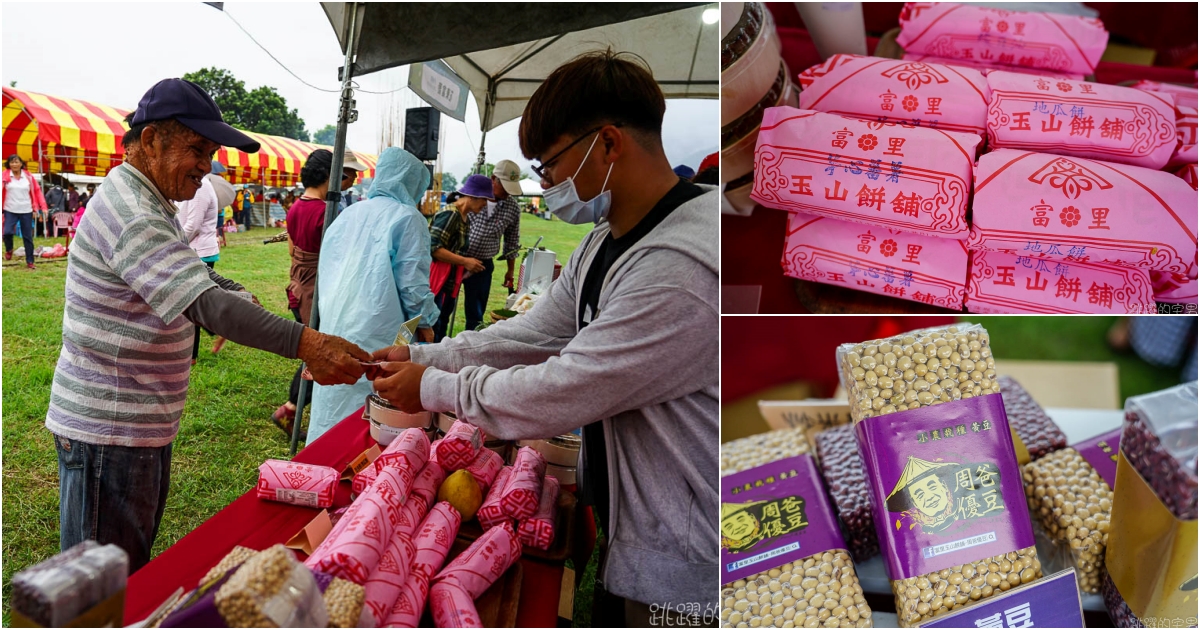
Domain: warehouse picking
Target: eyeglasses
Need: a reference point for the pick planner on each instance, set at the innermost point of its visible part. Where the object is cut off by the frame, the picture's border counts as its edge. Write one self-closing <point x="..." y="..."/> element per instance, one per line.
<point x="540" y="169"/>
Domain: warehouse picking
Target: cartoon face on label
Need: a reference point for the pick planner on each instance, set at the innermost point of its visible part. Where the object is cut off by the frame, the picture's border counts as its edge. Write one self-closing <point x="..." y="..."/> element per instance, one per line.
<point x="744" y="525"/>
<point x="938" y="495"/>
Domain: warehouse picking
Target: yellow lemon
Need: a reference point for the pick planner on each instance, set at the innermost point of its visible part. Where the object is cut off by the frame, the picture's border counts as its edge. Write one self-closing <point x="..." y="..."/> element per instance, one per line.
<point x="463" y="492"/>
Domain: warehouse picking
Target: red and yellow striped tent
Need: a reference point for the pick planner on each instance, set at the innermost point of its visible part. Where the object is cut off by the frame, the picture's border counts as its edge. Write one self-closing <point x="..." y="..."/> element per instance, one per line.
<point x="63" y="135"/>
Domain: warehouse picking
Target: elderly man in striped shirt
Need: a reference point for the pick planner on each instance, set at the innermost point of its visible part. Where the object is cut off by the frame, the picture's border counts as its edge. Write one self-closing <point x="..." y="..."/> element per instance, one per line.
<point x="134" y="290"/>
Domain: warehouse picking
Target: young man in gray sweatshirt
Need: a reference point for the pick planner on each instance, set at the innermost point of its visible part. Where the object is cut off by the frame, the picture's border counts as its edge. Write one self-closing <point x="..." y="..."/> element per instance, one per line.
<point x="624" y="344"/>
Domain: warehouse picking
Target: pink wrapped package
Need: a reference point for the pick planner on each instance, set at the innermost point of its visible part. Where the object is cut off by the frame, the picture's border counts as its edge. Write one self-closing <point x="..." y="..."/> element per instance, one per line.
<point x="1185" y="119"/>
<point x="452" y="606"/>
<point x="888" y="90"/>
<point x="985" y="68"/>
<point x="410" y="603"/>
<point x="434" y="538"/>
<point x="878" y="260"/>
<point x="411" y="449"/>
<point x="905" y="178"/>
<point x="524" y="487"/>
<point x="411" y="515"/>
<point x="481" y="564"/>
<point x="484" y="469"/>
<point x="297" y="484"/>
<point x="1188" y="174"/>
<point x="427" y="483"/>
<point x="1076" y="118"/>
<point x="363" y="480"/>
<point x="353" y="549"/>
<point x="1043" y="41"/>
<point x="1173" y="288"/>
<point x="490" y="513"/>
<point x="1008" y="283"/>
<point x="1074" y="209"/>
<point x="460" y="446"/>
<point x="537" y="531"/>
<point x="384" y="586"/>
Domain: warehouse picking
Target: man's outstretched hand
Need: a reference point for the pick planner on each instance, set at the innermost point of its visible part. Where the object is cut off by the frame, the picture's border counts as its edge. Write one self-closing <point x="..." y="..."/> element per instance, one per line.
<point x="331" y="360"/>
<point x="395" y="353"/>
<point x="401" y="385"/>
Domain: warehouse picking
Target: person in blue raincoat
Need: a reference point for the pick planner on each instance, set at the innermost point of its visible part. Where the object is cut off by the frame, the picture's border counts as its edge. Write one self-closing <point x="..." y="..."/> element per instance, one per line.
<point x="374" y="275"/>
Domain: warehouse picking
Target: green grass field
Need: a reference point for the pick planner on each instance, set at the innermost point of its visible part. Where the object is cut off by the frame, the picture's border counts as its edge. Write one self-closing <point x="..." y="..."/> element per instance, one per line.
<point x="225" y="432"/>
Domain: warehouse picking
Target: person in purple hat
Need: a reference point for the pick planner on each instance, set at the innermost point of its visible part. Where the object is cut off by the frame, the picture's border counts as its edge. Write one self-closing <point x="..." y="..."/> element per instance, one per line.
<point x="449" y="234"/>
<point x="134" y="290"/>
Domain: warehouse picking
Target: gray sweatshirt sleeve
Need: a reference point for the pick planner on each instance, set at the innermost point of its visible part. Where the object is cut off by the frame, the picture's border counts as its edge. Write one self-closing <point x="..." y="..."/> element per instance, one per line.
<point x="525" y="340"/>
<point x="223" y="282"/>
<point x="656" y="341"/>
<point x="241" y="321"/>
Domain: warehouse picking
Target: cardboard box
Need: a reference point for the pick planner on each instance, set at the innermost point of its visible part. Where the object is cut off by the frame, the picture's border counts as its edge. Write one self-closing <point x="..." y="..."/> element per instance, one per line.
<point x="1070" y="384"/>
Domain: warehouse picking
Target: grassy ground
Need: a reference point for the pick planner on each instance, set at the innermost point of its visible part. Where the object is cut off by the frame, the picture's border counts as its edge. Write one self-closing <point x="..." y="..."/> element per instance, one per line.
<point x="224" y="432"/>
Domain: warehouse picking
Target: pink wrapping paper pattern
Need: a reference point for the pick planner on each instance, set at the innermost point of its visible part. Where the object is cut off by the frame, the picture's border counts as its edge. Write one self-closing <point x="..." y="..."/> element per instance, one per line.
<point x="524" y="487"/>
<point x="354" y="545"/>
<point x="986" y="69"/>
<point x="1188" y="174"/>
<point x="484" y="469"/>
<point x="1173" y="288"/>
<point x="905" y="178"/>
<point x="1043" y="41"/>
<point x="878" y="260"/>
<point x="427" y="483"/>
<point x="410" y="449"/>
<point x="363" y="480"/>
<point x="452" y="606"/>
<point x="538" y="530"/>
<point x="411" y="515"/>
<point x="386" y="582"/>
<point x="1077" y="118"/>
<point x="490" y="513"/>
<point x="460" y="446"/>
<point x="410" y="603"/>
<point x="1185" y="119"/>
<point x="1074" y="209"/>
<point x="297" y="484"/>
<point x="434" y="538"/>
<point x="1008" y="283"/>
<point x="481" y="564"/>
<point x="888" y="90"/>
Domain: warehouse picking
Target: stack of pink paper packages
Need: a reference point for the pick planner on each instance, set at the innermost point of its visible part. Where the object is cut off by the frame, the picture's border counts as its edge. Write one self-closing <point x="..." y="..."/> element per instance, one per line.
<point x="538" y="530"/>
<point x="523" y="490"/>
<point x="432" y="544"/>
<point x="460" y="446"/>
<point x="484" y="469"/>
<point x="353" y="548"/>
<point x="453" y="591"/>
<point x="982" y="37"/>
<point x="297" y="484"/>
<point x="410" y="450"/>
<point x="387" y="580"/>
<point x="490" y="512"/>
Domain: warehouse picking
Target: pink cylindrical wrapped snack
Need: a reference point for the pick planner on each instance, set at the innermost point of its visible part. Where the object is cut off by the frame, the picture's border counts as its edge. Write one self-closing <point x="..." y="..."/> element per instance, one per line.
<point x="452" y="606"/>
<point x="1083" y="210"/>
<point x="411" y="449"/>
<point x="481" y="564"/>
<point x="988" y="68"/>
<point x="460" y="446"/>
<point x="484" y="469"/>
<point x="1044" y="41"/>
<point x="1188" y="174"/>
<point x="434" y="538"/>
<point x="538" y="530"/>
<point x="875" y="259"/>
<point x="1081" y="119"/>
<point x="1185" y="98"/>
<point x="428" y="481"/>
<point x="905" y="92"/>
<point x="1008" y="283"/>
<point x="355" y="551"/>
<point x="411" y="514"/>
<point x="410" y="604"/>
<point x="297" y="484"/>
<point x="490" y="513"/>
<point x="524" y="486"/>
<point x="386" y="581"/>
<point x="903" y="178"/>
<point x="363" y="480"/>
<point x="1174" y="288"/>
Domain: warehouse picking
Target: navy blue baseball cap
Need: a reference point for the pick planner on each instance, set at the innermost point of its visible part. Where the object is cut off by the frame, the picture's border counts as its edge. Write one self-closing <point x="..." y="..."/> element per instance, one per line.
<point x="189" y="104"/>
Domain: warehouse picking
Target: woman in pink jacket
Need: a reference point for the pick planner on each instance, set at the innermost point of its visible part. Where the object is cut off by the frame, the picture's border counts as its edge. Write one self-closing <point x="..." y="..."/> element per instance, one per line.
<point x="22" y="197"/>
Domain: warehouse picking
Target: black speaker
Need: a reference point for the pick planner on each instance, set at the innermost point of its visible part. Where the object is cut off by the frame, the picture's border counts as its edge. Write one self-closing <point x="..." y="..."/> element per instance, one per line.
<point x="421" y="132"/>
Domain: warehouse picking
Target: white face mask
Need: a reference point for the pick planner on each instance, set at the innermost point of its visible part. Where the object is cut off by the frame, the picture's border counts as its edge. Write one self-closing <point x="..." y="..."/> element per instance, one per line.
<point x="563" y="200"/>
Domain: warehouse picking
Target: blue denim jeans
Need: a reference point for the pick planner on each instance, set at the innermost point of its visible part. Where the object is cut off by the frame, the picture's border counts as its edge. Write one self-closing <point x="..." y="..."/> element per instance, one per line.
<point x="112" y="494"/>
<point x="23" y="223"/>
<point x="475" y="294"/>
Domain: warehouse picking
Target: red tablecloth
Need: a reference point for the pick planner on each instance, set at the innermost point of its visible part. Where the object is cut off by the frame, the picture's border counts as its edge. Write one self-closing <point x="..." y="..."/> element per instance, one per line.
<point x="257" y="524"/>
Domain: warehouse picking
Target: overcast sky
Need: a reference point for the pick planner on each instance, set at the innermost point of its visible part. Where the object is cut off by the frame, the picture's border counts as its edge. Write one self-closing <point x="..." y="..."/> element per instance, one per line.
<point x="112" y="53"/>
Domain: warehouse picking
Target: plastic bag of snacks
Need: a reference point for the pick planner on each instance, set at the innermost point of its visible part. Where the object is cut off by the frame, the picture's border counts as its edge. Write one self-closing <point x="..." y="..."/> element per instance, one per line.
<point x="770" y="578"/>
<point x="1151" y="556"/>
<point x="1070" y="493"/>
<point x="272" y="589"/>
<point x="56" y="591"/>
<point x="846" y="480"/>
<point x="763" y="448"/>
<point x="949" y="509"/>
<point x="1035" y="429"/>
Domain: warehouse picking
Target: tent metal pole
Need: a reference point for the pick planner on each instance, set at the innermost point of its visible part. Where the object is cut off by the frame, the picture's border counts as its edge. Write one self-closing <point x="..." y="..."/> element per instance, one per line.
<point x="346" y="115"/>
<point x="485" y="121"/>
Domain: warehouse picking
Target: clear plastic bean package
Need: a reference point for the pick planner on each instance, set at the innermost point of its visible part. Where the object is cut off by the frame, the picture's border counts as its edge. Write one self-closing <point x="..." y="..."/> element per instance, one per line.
<point x="763" y="448"/>
<point x="272" y="589"/>
<point x="57" y="591"/>
<point x="842" y="468"/>
<point x="945" y="487"/>
<point x="783" y="560"/>
<point x="1032" y="425"/>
